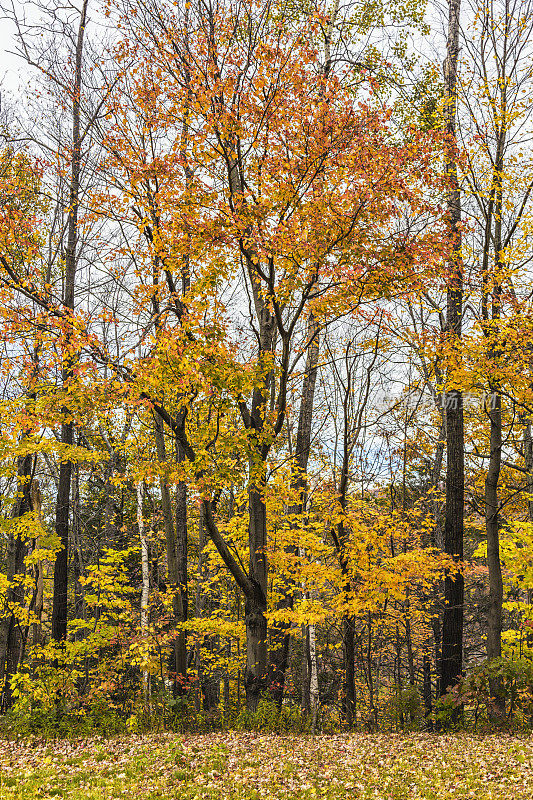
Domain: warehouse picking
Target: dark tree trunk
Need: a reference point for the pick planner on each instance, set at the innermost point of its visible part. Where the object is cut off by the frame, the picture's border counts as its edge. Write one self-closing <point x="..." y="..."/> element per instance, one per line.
<point x="373" y="715"/>
<point x="255" y="678"/>
<point x="491" y="313"/>
<point x="255" y="607"/>
<point x="178" y="656"/>
<point x="226" y="695"/>
<point x="436" y="627"/>
<point x="209" y="683"/>
<point x="494" y="408"/>
<point x="409" y="639"/>
<point x="10" y="627"/>
<point x="181" y="543"/>
<point x="350" y="708"/>
<point x="494" y="627"/>
<point x="181" y="565"/>
<point x="59" y="606"/>
<point x="256" y="673"/>
<point x="428" y="704"/>
<point x="494" y="615"/>
<point x="37" y="634"/>
<point x="452" y="624"/>
<point x="210" y="686"/>
<point x="279" y="657"/>
<point x="340" y="540"/>
<point x="399" y="682"/>
<point x="79" y="592"/>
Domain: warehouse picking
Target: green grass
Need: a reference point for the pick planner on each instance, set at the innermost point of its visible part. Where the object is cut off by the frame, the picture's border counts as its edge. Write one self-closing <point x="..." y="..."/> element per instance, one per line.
<point x="247" y="766"/>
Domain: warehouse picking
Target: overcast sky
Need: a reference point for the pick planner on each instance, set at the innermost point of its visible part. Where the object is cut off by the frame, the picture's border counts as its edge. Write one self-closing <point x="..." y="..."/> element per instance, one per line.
<point x="10" y="65"/>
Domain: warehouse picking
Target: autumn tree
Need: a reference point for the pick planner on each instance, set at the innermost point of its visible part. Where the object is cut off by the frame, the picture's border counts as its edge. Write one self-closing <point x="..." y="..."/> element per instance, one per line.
<point x="292" y="241"/>
<point x="498" y="184"/>
<point x="452" y="625"/>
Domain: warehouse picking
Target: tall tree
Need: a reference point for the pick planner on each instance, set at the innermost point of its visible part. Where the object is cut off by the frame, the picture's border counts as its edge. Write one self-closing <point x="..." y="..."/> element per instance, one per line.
<point x="299" y="484"/>
<point x="281" y="637"/>
<point x="452" y="626"/>
<point x="59" y="610"/>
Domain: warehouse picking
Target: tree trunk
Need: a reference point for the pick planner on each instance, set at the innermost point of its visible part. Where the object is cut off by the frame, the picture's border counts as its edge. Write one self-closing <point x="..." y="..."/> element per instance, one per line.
<point x="409" y="640"/>
<point x="494" y="620"/>
<point x="350" y="708"/>
<point x="255" y="678"/>
<point x="281" y="638"/>
<point x="226" y="697"/>
<point x="495" y="609"/>
<point x="340" y="538"/>
<point x="256" y="673"/>
<point x="59" y="606"/>
<point x="348" y="624"/>
<point x="528" y="460"/>
<point x="209" y="684"/>
<point x="178" y="657"/>
<point x="145" y="591"/>
<point x="428" y="705"/>
<point x="281" y="630"/>
<point x="436" y="627"/>
<point x="10" y="627"/>
<point x="306" y="671"/>
<point x="310" y="695"/>
<point x="37" y="633"/>
<point x="372" y="721"/>
<point x="181" y="558"/>
<point x="494" y="407"/>
<point x="452" y="625"/>
<point x="314" y="697"/>
<point x="181" y="544"/>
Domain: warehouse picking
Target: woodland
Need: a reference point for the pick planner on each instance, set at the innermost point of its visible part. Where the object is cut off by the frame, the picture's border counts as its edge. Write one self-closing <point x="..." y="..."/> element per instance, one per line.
<point x="266" y="371"/>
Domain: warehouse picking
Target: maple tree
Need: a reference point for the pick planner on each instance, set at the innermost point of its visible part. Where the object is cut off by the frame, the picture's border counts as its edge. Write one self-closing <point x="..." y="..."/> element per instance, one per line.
<point x="266" y="324"/>
<point x="301" y="207"/>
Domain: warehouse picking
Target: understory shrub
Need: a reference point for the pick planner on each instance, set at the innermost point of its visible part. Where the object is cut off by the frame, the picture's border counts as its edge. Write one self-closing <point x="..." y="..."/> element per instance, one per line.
<point x="509" y="681"/>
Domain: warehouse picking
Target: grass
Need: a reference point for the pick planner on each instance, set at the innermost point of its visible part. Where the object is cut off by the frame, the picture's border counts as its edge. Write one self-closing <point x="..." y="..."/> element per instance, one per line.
<point x="246" y="766"/>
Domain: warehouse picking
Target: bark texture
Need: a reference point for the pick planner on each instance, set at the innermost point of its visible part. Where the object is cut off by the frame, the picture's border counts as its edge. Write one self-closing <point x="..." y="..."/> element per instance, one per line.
<point x="178" y="657"/>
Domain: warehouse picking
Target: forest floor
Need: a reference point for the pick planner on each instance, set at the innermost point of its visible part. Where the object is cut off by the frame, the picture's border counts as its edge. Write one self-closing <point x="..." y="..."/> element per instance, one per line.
<point x="246" y="766"/>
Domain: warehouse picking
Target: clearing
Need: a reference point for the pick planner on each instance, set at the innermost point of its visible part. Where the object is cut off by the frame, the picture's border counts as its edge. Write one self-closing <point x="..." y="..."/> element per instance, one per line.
<point x="248" y="766"/>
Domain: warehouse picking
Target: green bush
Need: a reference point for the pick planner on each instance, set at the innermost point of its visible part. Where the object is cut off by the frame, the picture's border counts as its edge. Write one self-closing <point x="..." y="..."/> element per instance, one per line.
<point x="475" y="697"/>
<point x="448" y="713"/>
<point x="58" y="723"/>
<point x="404" y="710"/>
<point x="181" y="716"/>
<point x="48" y="705"/>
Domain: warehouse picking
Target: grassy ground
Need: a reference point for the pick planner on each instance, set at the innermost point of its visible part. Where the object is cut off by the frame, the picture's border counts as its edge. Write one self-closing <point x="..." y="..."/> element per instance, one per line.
<point x="242" y="766"/>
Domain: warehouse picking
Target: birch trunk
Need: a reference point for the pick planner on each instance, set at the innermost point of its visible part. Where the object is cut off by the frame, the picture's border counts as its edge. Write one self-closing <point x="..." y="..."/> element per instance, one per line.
<point x="314" y="697"/>
<point x="145" y="591"/>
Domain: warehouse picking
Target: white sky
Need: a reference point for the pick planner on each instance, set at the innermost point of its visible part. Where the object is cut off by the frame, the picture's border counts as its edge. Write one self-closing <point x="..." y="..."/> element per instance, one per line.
<point x="10" y="66"/>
